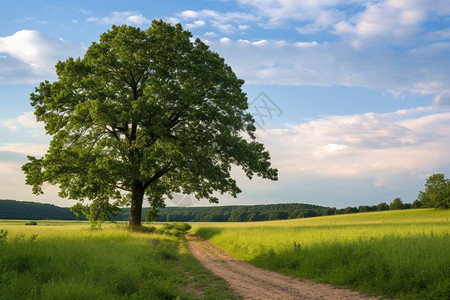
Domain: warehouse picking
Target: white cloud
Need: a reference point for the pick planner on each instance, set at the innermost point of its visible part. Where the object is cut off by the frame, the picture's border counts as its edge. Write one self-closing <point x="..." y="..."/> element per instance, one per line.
<point x="221" y="21"/>
<point x="122" y="17"/>
<point x="422" y="71"/>
<point x="199" y="23"/>
<point x="225" y="28"/>
<point x="189" y="14"/>
<point x="31" y="56"/>
<point x="195" y="24"/>
<point x="363" y="22"/>
<point x="392" y="21"/>
<point x="320" y="14"/>
<point x="225" y="40"/>
<point x="363" y="52"/>
<point x="172" y="20"/>
<point x="27" y="120"/>
<point x="210" y="34"/>
<point x="260" y="43"/>
<point x="381" y="147"/>
<point x="306" y="44"/>
<point x="25" y="148"/>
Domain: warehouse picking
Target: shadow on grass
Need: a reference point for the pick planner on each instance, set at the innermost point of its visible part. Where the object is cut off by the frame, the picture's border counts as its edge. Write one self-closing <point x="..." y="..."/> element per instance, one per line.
<point x="208" y="232"/>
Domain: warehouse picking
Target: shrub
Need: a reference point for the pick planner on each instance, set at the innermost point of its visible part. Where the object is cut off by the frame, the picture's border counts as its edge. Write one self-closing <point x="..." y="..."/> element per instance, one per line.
<point x="176" y="229"/>
<point x="31" y="223"/>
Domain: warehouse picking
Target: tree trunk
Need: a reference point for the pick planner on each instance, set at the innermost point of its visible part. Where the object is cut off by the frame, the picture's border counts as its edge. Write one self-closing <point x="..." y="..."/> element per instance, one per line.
<point x="137" y="197"/>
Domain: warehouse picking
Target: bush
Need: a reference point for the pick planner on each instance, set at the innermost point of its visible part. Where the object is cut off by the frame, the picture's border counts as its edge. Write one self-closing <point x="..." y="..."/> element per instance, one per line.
<point x="31" y="223"/>
<point x="176" y="229"/>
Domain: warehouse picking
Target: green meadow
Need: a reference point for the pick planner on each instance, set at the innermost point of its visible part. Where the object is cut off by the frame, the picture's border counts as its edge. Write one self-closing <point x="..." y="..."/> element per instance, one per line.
<point x="67" y="260"/>
<point x="398" y="254"/>
<point x="395" y="254"/>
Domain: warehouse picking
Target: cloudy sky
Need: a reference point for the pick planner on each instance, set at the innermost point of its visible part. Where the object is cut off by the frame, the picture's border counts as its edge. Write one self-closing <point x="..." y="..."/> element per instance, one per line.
<point x="352" y="98"/>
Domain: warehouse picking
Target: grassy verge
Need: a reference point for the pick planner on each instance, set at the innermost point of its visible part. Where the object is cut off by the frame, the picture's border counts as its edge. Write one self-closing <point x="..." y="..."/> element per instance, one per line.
<point x="66" y="260"/>
<point x="401" y="254"/>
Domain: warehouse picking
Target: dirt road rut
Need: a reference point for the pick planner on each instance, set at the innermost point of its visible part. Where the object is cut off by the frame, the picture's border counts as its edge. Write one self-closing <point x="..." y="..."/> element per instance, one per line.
<point x="250" y="282"/>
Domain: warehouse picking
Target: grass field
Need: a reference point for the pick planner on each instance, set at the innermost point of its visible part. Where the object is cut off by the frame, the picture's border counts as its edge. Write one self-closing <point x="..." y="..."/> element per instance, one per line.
<point x="400" y="254"/>
<point x="67" y="260"/>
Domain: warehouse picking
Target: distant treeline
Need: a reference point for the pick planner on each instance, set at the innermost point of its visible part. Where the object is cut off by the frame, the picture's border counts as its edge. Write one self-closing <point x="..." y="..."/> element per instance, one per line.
<point x="249" y="213"/>
<point x="11" y="209"/>
<point x="24" y="210"/>
<point x="235" y="213"/>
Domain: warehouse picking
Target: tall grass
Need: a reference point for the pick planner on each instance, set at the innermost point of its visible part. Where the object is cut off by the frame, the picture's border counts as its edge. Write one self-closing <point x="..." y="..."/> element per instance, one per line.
<point x="73" y="262"/>
<point x="403" y="254"/>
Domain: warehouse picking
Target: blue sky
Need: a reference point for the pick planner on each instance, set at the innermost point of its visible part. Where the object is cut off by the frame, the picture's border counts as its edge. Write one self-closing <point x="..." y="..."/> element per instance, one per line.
<point x="355" y="103"/>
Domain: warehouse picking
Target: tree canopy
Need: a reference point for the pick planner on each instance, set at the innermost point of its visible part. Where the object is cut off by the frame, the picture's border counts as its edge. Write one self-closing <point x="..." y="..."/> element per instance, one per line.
<point x="437" y="192"/>
<point x="145" y="113"/>
<point x="396" y="204"/>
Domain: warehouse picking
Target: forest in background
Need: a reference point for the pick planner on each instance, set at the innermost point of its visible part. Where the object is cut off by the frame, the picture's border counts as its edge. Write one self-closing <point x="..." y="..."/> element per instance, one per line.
<point x="25" y="210"/>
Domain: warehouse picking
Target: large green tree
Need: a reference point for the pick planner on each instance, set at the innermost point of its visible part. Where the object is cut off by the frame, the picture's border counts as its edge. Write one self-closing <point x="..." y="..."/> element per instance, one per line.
<point x="437" y="192"/>
<point x="145" y="113"/>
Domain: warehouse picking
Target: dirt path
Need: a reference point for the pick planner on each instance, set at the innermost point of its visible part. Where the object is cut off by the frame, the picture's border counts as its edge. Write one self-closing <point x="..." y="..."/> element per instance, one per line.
<point x="250" y="282"/>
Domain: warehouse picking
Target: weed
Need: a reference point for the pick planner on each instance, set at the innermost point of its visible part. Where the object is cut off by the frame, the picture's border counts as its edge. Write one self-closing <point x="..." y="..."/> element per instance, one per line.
<point x="3" y="235"/>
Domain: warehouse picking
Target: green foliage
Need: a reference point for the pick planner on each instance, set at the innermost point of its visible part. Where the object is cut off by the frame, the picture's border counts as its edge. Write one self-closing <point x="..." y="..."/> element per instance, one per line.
<point x="382" y="206"/>
<point x="31" y="223"/>
<point x="176" y="229"/>
<point x="416" y="204"/>
<point x="396" y="204"/>
<point x="152" y="214"/>
<point x="241" y="213"/>
<point x="97" y="212"/>
<point x="145" y="112"/>
<point x="437" y="192"/>
<point x="24" y="210"/>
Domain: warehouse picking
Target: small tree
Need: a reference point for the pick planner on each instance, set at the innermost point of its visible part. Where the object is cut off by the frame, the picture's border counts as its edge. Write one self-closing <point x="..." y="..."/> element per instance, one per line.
<point x="145" y="113"/>
<point x="437" y="192"/>
<point x="396" y="204"/>
<point x="382" y="206"/>
<point x="417" y="204"/>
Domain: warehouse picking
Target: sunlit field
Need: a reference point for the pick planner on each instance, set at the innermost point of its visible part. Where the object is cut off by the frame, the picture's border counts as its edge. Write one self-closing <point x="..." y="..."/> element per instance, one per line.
<point x="67" y="260"/>
<point x="402" y="254"/>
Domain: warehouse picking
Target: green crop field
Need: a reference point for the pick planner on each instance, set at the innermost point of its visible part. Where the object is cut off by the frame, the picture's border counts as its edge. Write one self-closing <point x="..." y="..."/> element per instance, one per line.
<point x="400" y="254"/>
<point x="67" y="260"/>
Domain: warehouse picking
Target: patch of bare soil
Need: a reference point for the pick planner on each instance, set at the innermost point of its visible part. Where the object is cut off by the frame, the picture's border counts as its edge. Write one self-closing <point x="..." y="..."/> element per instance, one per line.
<point x="250" y="282"/>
